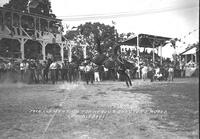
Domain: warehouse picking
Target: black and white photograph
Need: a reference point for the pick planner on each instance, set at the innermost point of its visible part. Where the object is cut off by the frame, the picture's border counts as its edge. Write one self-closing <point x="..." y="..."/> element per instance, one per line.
<point x="99" y="69"/>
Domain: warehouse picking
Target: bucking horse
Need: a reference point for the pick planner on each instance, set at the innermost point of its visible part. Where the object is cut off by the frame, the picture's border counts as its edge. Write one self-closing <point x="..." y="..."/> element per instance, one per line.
<point x="115" y="61"/>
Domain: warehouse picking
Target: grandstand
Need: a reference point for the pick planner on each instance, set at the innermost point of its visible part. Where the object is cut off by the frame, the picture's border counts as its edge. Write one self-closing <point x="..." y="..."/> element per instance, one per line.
<point x="23" y="27"/>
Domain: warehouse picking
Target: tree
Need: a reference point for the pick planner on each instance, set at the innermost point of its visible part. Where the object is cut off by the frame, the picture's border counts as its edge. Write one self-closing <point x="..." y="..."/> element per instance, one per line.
<point x="43" y="7"/>
<point x="20" y="5"/>
<point x="99" y="38"/>
<point x="103" y="36"/>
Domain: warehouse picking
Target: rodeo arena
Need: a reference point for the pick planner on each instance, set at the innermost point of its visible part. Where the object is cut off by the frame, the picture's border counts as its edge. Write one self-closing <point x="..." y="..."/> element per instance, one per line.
<point x="55" y="87"/>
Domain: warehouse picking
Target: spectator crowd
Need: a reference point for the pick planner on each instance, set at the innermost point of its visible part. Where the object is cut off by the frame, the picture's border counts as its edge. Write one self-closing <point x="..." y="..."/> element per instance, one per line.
<point x="34" y="71"/>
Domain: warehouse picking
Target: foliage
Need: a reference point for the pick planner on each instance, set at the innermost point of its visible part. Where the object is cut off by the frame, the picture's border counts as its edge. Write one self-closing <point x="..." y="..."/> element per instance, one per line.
<point x="100" y="36"/>
<point x="43" y="8"/>
<point x="20" y="5"/>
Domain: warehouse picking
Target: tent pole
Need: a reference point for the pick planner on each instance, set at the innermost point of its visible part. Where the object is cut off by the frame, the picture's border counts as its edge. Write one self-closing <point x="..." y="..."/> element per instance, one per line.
<point x="186" y="59"/>
<point x="195" y="58"/>
<point x="70" y="52"/>
<point x="161" y="55"/>
<point x="153" y="56"/>
<point x="138" y="55"/>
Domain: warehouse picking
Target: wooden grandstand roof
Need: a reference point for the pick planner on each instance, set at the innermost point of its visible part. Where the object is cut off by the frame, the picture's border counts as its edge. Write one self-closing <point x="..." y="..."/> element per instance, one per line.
<point x="146" y="40"/>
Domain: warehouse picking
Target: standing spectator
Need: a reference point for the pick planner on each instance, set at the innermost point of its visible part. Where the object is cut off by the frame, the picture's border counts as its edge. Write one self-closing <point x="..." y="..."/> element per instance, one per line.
<point x="45" y="71"/>
<point x="164" y="72"/>
<point x="182" y="65"/>
<point x="2" y="69"/>
<point x="67" y="71"/>
<point x="96" y="74"/>
<point x="82" y="72"/>
<point x="171" y="73"/>
<point x="58" y="70"/>
<point x="38" y="71"/>
<point x="144" y="72"/>
<point x="26" y="65"/>
<point x="101" y="72"/>
<point x="9" y="66"/>
<point x="53" y="68"/>
<point x="9" y="71"/>
<point x="63" y="71"/>
<point x="157" y="75"/>
<point x="112" y="74"/>
<point x="26" y="71"/>
<point x="32" y="67"/>
<point x="89" y="73"/>
<point x="70" y="72"/>
<point x="105" y="73"/>
<point x="151" y="73"/>
<point x="118" y="76"/>
<point x="22" y="69"/>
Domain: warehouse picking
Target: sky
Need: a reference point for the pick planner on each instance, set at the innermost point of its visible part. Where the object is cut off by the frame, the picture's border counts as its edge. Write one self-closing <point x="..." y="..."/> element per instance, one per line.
<point x="168" y="18"/>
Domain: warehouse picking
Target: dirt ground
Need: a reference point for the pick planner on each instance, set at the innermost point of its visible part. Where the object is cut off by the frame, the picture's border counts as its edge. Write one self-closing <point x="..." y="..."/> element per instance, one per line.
<point x="105" y="110"/>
